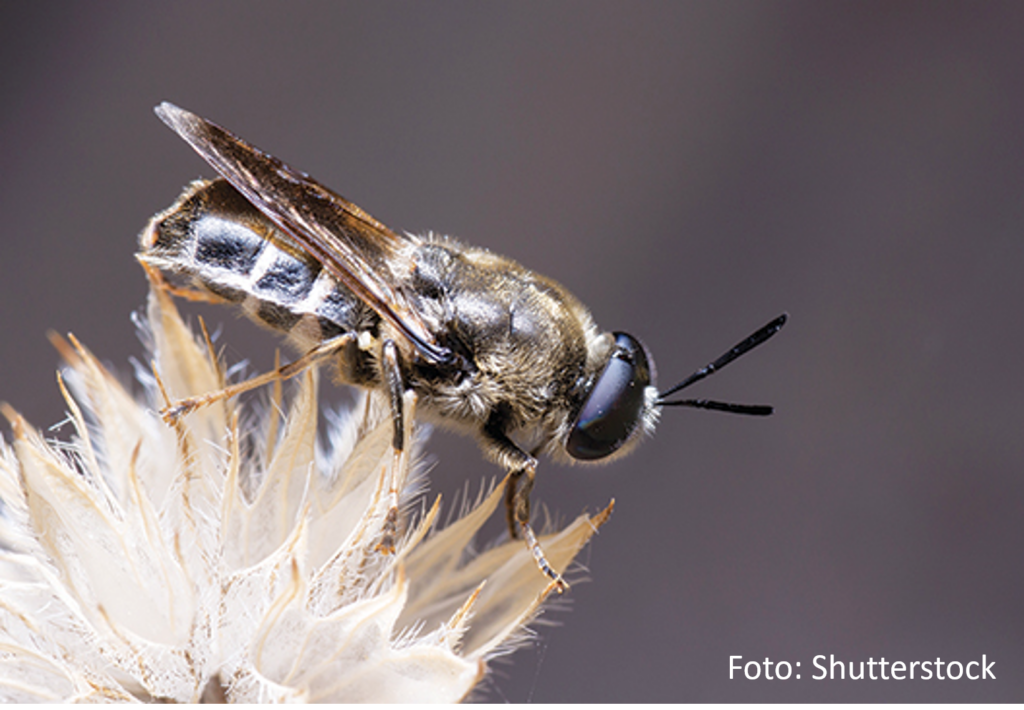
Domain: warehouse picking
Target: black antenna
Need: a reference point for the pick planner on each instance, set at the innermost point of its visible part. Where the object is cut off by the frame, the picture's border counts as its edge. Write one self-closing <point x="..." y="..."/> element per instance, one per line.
<point x="758" y="410"/>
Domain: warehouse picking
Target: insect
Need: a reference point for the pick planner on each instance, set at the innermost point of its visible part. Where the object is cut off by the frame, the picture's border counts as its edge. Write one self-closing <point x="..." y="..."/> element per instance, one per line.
<point x="489" y="347"/>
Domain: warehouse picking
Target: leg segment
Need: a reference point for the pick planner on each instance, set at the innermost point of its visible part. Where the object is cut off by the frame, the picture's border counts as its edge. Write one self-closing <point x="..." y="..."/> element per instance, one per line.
<point x="189" y="294"/>
<point x="392" y="373"/>
<point x="325" y="349"/>
<point x="396" y="388"/>
<point x="517" y="508"/>
<point x="522" y="473"/>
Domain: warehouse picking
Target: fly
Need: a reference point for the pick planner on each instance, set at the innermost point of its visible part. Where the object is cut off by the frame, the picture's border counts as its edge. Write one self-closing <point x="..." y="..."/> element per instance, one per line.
<point x="489" y="347"/>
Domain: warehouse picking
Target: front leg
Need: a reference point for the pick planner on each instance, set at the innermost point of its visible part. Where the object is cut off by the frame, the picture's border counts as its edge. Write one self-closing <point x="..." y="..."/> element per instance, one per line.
<point x="522" y="472"/>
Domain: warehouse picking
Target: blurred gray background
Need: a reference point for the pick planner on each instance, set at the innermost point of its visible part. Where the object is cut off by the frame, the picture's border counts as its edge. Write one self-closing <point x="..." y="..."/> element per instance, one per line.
<point x="689" y="170"/>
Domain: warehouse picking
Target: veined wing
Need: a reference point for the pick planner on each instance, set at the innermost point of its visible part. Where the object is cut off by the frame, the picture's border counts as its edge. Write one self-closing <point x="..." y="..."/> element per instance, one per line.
<point x="358" y="250"/>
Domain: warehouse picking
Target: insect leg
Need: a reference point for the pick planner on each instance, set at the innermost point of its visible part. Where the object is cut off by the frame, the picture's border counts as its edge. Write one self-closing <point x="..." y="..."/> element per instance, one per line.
<point x="517" y="501"/>
<point x="510" y="504"/>
<point x="189" y="294"/>
<point x="396" y="389"/>
<point x="325" y="349"/>
<point x="522" y="473"/>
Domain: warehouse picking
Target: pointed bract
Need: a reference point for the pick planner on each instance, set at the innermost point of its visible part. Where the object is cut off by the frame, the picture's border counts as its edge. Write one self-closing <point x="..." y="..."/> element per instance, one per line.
<point x="239" y="562"/>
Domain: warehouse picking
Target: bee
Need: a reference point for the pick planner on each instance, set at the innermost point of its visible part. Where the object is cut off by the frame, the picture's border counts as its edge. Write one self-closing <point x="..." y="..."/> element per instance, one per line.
<point x="489" y="347"/>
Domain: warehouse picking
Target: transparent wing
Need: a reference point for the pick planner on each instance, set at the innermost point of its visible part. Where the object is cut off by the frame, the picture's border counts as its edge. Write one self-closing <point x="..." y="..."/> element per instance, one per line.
<point x="359" y="251"/>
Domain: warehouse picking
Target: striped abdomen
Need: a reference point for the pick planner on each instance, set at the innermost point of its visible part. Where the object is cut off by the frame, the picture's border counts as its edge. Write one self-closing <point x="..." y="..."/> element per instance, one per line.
<point x="215" y="240"/>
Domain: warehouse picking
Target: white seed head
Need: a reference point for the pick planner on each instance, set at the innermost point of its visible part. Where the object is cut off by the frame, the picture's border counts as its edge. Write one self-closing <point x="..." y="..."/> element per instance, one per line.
<point x="231" y="558"/>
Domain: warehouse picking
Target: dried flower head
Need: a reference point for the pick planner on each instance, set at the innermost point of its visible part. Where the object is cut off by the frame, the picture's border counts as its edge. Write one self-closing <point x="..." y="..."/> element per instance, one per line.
<point x="231" y="557"/>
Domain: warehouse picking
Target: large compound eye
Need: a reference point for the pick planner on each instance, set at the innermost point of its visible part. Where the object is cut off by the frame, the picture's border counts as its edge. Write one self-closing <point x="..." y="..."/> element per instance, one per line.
<point x="615" y="404"/>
